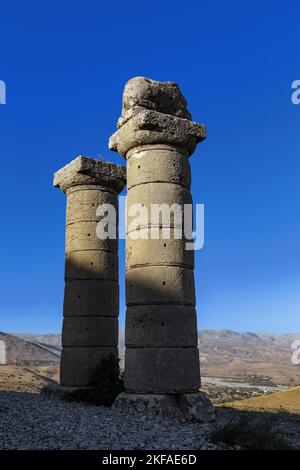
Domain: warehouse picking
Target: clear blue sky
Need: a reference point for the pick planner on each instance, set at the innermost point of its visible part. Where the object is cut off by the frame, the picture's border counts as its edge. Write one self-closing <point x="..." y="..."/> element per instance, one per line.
<point x="65" y="64"/>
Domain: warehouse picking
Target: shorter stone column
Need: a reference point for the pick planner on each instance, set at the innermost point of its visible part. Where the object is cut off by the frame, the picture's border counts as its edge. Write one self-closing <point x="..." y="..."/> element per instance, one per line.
<point x="91" y="299"/>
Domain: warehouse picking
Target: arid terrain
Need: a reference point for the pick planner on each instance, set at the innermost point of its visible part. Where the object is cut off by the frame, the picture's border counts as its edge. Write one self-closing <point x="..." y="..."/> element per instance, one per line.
<point x="31" y="351"/>
<point x="21" y="378"/>
<point x="259" y="359"/>
<point x="287" y="401"/>
<point x="234" y="366"/>
<point x="29" y="365"/>
<point x="243" y="375"/>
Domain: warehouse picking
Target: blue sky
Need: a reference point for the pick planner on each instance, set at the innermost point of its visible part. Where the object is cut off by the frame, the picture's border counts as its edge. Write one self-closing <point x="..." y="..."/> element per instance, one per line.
<point x="65" y="64"/>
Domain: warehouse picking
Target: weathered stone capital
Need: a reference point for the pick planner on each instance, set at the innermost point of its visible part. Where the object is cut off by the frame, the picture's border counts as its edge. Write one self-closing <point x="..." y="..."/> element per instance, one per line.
<point x="89" y="171"/>
<point x="152" y="127"/>
<point x="143" y="92"/>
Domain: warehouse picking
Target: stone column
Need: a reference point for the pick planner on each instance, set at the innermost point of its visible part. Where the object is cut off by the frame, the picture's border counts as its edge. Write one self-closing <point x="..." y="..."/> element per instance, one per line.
<point x="91" y="300"/>
<point x="157" y="136"/>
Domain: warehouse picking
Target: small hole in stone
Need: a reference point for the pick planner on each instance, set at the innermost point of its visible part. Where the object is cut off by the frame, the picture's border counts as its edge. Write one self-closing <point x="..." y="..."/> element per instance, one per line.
<point x="164" y="283"/>
<point x="79" y="297"/>
<point x="93" y="205"/>
<point x="139" y="166"/>
<point x="91" y="263"/>
<point x="165" y="245"/>
<point x="89" y="234"/>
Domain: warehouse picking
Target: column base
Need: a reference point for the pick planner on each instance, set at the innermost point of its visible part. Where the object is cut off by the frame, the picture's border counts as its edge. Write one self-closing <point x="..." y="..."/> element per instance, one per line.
<point x="60" y="391"/>
<point x="193" y="406"/>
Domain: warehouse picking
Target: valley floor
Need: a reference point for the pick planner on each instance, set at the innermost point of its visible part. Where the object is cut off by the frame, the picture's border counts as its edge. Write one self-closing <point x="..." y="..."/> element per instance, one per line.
<point x="32" y="378"/>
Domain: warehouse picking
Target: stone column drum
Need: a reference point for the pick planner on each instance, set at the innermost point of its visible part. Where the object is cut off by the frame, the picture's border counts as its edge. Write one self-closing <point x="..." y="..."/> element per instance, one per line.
<point x="91" y="300"/>
<point x="156" y="136"/>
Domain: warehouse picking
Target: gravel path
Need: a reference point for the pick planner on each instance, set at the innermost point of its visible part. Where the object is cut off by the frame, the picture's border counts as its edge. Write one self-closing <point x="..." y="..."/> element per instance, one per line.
<point x="31" y="421"/>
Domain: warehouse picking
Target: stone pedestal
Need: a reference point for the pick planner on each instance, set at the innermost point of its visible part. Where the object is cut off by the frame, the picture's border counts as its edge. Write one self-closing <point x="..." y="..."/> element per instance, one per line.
<point x="91" y="300"/>
<point x="185" y="406"/>
<point x="156" y="136"/>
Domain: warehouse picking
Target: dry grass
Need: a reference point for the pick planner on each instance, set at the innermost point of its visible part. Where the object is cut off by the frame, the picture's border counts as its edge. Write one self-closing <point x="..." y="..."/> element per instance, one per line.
<point x="15" y="378"/>
<point x="286" y="401"/>
<point x="248" y="432"/>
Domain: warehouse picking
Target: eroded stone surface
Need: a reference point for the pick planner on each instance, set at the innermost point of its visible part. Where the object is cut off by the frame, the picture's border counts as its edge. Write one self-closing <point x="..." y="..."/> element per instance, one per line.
<point x="82" y="235"/>
<point x="158" y="164"/>
<point x="156" y="136"/>
<point x="83" y="202"/>
<point x="90" y="331"/>
<point x="91" y="300"/>
<point x="194" y="407"/>
<point x="156" y="204"/>
<point x="142" y="92"/>
<point x="143" y="250"/>
<point x="91" y="297"/>
<point x="161" y="326"/>
<point x="91" y="264"/>
<point x="162" y="370"/>
<point x="78" y="364"/>
<point x="160" y="285"/>
<point x="152" y="127"/>
<point x="89" y="171"/>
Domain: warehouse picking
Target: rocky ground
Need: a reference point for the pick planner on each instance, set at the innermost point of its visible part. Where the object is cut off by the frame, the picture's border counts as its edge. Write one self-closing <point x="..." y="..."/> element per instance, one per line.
<point x="30" y="421"/>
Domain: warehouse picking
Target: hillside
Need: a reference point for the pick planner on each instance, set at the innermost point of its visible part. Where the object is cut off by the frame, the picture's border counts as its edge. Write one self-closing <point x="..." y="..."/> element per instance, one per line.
<point x="255" y="358"/>
<point x="51" y="341"/>
<point x="21" y="352"/>
<point x="258" y="359"/>
<point x="30" y="378"/>
<point x="286" y="401"/>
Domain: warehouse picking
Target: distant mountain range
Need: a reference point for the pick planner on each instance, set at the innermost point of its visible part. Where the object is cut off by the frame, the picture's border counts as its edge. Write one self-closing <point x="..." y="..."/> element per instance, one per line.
<point x="261" y="357"/>
<point x="51" y="340"/>
<point x="21" y="351"/>
<point x="223" y="353"/>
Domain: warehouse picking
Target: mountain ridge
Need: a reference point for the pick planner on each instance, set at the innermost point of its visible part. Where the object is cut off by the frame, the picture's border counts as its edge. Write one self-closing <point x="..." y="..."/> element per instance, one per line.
<point x="247" y="356"/>
<point x="20" y="351"/>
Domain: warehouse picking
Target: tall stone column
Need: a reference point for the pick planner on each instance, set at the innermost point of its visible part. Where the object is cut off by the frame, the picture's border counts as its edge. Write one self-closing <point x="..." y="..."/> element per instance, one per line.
<point x="157" y="136"/>
<point x="91" y="299"/>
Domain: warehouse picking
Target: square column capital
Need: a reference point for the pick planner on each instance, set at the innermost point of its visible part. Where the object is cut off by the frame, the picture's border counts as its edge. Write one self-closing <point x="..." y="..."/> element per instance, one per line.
<point x="153" y="127"/>
<point x="90" y="171"/>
